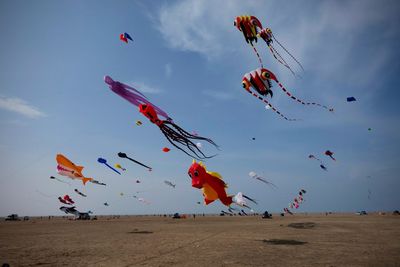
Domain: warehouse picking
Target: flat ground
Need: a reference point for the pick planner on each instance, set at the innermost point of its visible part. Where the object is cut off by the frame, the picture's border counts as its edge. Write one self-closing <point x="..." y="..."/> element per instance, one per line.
<point x="333" y="240"/>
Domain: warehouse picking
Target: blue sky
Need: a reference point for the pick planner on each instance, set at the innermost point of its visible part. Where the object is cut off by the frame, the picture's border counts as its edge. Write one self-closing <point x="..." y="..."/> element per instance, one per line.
<point x="189" y="59"/>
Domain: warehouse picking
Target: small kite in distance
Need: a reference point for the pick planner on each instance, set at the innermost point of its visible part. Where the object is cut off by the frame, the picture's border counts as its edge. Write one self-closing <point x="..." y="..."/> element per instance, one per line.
<point x="123" y="155"/>
<point x="351" y="99"/>
<point x="104" y="161"/>
<point x="119" y="167"/>
<point x="138" y="123"/>
<point x="125" y="37"/>
<point x="169" y="183"/>
<point x="80" y="193"/>
<point x="166" y="149"/>
<point x="330" y="154"/>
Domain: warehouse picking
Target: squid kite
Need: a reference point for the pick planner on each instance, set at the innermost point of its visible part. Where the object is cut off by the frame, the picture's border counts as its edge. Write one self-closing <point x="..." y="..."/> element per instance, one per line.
<point x="267" y="35"/>
<point x="67" y="168"/>
<point x="257" y="177"/>
<point x="249" y="26"/>
<point x="213" y="186"/>
<point x="125" y="37"/>
<point x="124" y="156"/>
<point x="260" y="80"/>
<point x="175" y="135"/>
<point x="80" y="193"/>
<point x="104" y="161"/>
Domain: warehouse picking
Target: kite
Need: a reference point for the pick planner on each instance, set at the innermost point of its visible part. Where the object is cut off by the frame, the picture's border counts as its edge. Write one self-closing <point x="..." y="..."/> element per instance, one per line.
<point x="286" y="210"/>
<point x="138" y="181"/>
<point x="213" y="186"/>
<point x="166" y="149"/>
<point x="55" y="178"/>
<point x="351" y="99"/>
<point x="70" y="210"/>
<point x="260" y="80"/>
<point x="68" y="199"/>
<point x="80" y="193"/>
<point x="173" y="133"/>
<point x="296" y="201"/>
<point x="97" y="182"/>
<point x="104" y="161"/>
<point x="256" y="176"/>
<point x="63" y="201"/>
<point x="267" y="35"/>
<point x="125" y="37"/>
<point x="124" y="156"/>
<point x="67" y="168"/>
<point x="369" y="129"/>
<point x="119" y="167"/>
<point x="249" y="26"/>
<point x="169" y="183"/>
<point x="330" y="154"/>
<point x="138" y="123"/>
<point x="106" y="204"/>
<point x="142" y="200"/>
<point x="320" y="161"/>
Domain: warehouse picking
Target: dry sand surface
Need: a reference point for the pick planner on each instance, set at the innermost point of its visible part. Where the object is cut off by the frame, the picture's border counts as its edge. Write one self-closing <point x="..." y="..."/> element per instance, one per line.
<point x="318" y="240"/>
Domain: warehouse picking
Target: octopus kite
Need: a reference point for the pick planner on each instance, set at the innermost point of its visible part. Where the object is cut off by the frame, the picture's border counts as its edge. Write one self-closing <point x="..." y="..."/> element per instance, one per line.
<point x="260" y="80"/>
<point x="248" y="26"/>
<point x="175" y="135"/>
<point x="213" y="186"/>
<point x="267" y="35"/>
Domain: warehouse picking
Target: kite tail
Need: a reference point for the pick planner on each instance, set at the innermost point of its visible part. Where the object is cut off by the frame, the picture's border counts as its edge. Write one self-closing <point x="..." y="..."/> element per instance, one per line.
<point x="182" y="137"/>
<point x="280" y="59"/>
<point x="258" y="55"/>
<point x="301" y="101"/>
<point x="288" y="52"/>
<point x="274" y="109"/>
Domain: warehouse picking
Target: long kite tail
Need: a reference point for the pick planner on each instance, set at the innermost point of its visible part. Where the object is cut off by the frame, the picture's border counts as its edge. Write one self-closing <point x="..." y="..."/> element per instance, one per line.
<point x="287" y="52"/>
<point x="301" y="101"/>
<point x="180" y="136"/>
<point x="273" y="109"/>
<point x="280" y="59"/>
<point x="258" y="55"/>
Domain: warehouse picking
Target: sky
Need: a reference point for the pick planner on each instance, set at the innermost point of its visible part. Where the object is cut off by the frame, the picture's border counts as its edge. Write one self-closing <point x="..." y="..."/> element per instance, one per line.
<point x="189" y="59"/>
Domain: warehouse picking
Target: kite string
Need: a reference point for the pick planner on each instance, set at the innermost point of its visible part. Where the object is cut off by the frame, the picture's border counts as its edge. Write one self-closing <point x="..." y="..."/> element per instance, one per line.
<point x="274" y="109"/>
<point x="287" y="51"/>
<point x="301" y="101"/>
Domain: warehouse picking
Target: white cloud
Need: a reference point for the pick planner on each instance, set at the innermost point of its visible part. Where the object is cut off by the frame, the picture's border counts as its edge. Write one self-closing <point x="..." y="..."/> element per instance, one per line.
<point x="218" y="95"/>
<point x="20" y="106"/>
<point x="168" y="70"/>
<point x="144" y="88"/>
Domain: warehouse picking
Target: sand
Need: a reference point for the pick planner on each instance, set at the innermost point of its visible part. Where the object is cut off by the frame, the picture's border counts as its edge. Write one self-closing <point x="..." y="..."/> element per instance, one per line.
<point x="311" y="240"/>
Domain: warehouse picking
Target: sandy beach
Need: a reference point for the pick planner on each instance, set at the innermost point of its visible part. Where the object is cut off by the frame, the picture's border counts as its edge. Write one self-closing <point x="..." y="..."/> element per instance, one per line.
<point x="300" y="240"/>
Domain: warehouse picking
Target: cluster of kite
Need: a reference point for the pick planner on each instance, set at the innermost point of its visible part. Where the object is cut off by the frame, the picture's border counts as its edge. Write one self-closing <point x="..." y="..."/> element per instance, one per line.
<point x="296" y="202"/>
<point x="261" y="78"/>
<point x="322" y="165"/>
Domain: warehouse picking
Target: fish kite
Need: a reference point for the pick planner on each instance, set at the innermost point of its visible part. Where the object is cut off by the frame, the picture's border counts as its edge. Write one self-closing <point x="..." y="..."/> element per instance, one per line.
<point x="169" y="183"/>
<point x="330" y="154"/>
<point x="67" y="168"/>
<point x="249" y="26"/>
<point x="175" y="135"/>
<point x="119" y="167"/>
<point x="351" y="99"/>
<point x="80" y="193"/>
<point x="267" y="35"/>
<point x="260" y="80"/>
<point x="104" y="161"/>
<point x="124" y="156"/>
<point x="256" y="176"/>
<point x="213" y="186"/>
<point x="125" y="37"/>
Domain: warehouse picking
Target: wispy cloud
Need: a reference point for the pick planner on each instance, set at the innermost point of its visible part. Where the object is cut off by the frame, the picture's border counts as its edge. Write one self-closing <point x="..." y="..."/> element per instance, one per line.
<point x="168" y="70"/>
<point x="20" y="106"/>
<point x="145" y="88"/>
<point x="218" y="95"/>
